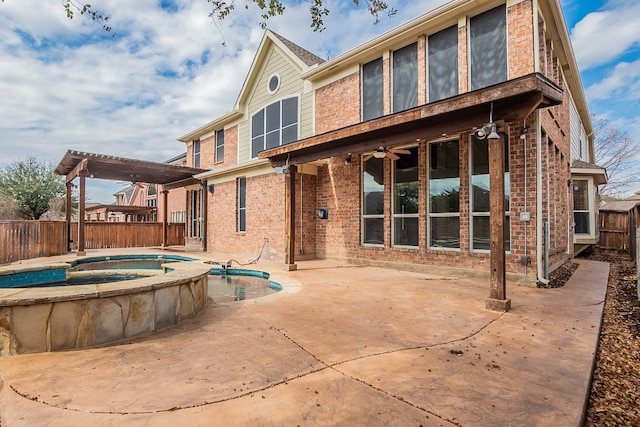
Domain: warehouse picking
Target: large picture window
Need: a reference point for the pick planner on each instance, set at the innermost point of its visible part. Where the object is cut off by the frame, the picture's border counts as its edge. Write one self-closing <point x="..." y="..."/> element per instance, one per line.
<point x="373" y="202"/>
<point x="220" y="146"/>
<point x="480" y="206"/>
<point x="581" y="206"/>
<point x="275" y="125"/>
<point x="242" y="204"/>
<point x="443" y="64"/>
<point x="444" y="195"/>
<point x="405" y="78"/>
<point x="488" y="48"/>
<point x="372" y="100"/>
<point x="405" y="199"/>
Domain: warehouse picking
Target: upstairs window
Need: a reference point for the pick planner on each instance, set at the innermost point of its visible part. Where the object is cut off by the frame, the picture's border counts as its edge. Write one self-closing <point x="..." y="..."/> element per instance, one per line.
<point x="220" y="146"/>
<point x="196" y="153"/>
<point x="152" y="190"/>
<point x="405" y="78"/>
<point x="372" y="85"/>
<point x="275" y="125"/>
<point x="443" y="64"/>
<point x="488" y="48"/>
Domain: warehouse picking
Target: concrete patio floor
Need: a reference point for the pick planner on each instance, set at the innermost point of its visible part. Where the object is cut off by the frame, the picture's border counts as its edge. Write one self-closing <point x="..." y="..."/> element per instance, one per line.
<point x="351" y="345"/>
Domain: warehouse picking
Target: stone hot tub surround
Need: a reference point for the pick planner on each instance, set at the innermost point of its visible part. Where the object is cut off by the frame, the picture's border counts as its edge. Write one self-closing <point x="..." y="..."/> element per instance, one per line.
<point x="34" y="320"/>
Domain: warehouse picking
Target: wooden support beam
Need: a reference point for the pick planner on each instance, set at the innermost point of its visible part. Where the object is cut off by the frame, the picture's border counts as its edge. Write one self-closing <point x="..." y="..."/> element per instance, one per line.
<point x="203" y="214"/>
<point x="81" y="213"/>
<point x="290" y="220"/>
<point x="165" y="220"/>
<point x="68" y="209"/>
<point x="497" y="294"/>
<point x="82" y="166"/>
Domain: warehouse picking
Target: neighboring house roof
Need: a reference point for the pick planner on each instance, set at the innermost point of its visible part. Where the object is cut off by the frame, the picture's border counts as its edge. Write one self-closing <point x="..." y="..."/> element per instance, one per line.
<point x="636" y="196"/>
<point x="127" y="192"/>
<point x="620" y="205"/>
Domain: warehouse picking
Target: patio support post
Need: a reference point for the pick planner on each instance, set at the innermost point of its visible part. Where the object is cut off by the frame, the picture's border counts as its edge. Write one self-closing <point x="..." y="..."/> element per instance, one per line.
<point x="203" y="214"/>
<point x="165" y="221"/>
<point x="290" y="220"/>
<point x="81" y="213"/>
<point x="68" y="207"/>
<point x="497" y="300"/>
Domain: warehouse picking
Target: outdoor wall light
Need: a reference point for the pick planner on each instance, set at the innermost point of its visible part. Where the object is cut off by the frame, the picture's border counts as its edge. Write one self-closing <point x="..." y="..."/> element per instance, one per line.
<point x="347" y="160"/>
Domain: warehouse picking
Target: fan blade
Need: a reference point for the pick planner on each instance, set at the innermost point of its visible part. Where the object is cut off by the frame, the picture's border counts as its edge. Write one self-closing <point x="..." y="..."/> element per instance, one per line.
<point x="367" y="157"/>
<point x="399" y="151"/>
<point x="392" y="155"/>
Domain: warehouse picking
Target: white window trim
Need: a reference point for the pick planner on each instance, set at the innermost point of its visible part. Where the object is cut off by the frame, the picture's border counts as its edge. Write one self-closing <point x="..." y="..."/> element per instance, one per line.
<point x="362" y="215"/>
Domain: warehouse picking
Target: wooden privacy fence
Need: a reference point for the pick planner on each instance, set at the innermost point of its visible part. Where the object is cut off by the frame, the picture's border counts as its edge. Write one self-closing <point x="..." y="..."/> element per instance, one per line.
<point x="103" y="235"/>
<point x="31" y="239"/>
<point x="618" y="231"/>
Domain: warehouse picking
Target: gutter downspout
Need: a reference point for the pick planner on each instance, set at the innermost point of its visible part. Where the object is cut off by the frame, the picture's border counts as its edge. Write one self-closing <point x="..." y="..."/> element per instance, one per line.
<point x="539" y="223"/>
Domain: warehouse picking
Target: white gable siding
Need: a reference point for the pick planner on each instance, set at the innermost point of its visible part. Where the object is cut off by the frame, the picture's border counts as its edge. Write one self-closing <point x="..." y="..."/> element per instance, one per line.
<point x="259" y="97"/>
<point x="578" y="136"/>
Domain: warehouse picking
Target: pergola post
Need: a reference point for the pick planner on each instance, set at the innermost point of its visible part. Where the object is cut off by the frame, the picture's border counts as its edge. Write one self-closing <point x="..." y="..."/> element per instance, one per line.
<point x="165" y="221"/>
<point x="290" y="220"/>
<point x="497" y="295"/>
<point x="203" y="213"/>
<point x="69" y="186"/>
<point x="81" y="213"/>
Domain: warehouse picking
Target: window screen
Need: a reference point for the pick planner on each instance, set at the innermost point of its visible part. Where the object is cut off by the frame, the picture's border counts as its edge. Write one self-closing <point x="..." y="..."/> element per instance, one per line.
<point x="372" y="101"/>
<point x="405" y="78"/>
<point x="443" y="64"/>
<point x="488" y="45"/>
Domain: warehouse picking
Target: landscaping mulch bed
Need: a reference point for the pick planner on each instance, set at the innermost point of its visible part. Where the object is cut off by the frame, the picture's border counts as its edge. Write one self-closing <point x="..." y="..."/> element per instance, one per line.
<point x="615" y="389"/>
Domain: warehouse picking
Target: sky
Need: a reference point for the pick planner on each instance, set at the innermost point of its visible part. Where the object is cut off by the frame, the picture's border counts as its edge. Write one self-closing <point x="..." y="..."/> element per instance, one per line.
<point x="69" y="85"/>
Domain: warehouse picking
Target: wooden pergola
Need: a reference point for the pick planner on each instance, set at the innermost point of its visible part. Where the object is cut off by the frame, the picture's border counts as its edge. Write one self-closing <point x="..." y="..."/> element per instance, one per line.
<point x="510" y="101"/>
<point x="76" y="164"/>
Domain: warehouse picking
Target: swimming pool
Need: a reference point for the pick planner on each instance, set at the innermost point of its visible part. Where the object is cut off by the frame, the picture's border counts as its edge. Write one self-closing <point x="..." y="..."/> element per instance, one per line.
<point x="229" y="285"/>
<point x="126" y="262"/>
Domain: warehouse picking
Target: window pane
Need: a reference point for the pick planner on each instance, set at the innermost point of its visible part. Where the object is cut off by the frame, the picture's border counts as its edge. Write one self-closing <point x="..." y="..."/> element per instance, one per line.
<point x="220" y="145"/>
<point x="444" y="177"/>
<point x="488" y="44"/>
<point x="581" y="195"/>
<point x="582" y="222"/>
<point x="405" y="78"/>
<point x="242" y="192"/>
<point x="257" y="145"/>
<point x="405" y="231"/>
<point x="289" y="111"/>
<point x="273" y="116"/>
<point x="373" y="187"/>
<point x="242" y="220"/>
<point x="445" y="232"/>
<point x="480" y="175"/>
<point x="273" y="139"/>
<point x="290" y="134"/>
<point x="373" y="233"/>
<point x="372" y="101"/>
<point x="257" y="124"/>
<point x="405" y="190"/>
<point x="443" y="64"/>
<point x="482" y="233"/>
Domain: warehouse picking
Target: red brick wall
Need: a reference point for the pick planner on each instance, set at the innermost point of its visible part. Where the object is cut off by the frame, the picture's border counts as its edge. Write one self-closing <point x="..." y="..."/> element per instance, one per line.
<point x="520" y="26"/>
<point x="338" y="104"/>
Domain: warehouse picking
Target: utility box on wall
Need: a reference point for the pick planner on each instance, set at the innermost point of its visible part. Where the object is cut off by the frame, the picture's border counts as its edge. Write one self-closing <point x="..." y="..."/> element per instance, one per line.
<point x="323" y="213"/>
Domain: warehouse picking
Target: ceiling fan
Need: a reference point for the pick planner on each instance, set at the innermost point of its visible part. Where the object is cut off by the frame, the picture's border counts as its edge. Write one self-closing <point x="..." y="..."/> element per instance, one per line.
<point x="382" y="152"/>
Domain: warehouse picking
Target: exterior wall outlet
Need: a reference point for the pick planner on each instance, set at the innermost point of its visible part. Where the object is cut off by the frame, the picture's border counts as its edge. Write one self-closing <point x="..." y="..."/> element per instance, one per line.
<point x="525" y="216"/>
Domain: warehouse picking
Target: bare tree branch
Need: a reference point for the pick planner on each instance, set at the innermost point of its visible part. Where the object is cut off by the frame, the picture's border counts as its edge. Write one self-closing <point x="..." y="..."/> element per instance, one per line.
<point x="614" y="150"/>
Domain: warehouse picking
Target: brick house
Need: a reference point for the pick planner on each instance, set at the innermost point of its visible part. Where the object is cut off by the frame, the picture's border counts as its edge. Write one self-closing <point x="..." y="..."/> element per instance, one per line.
<point x="382" y="154"/>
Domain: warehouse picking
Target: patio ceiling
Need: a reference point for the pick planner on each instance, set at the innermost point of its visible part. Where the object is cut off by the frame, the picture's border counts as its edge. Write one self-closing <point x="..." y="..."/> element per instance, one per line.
<point x="100" y="166"/>
<point x="512" y="100"/>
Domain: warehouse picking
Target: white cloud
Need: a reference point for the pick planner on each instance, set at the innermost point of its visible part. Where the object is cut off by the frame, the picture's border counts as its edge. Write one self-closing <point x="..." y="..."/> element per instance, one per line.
<point x="605" y="35"/>
<point x="622" y="83"/>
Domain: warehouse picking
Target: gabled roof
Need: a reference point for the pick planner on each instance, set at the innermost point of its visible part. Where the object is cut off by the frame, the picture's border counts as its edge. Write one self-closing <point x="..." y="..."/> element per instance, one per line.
<point x="301" y="58"/>
<point x="310" y="59"/>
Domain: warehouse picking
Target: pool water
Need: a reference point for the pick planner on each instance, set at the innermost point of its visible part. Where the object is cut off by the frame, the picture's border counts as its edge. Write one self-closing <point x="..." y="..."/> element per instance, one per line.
<point x="89" y="280"/>
<point x="224" y="288"/>
<point x="126" y="262"/>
